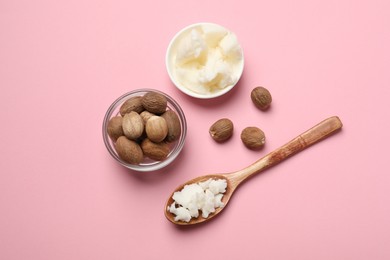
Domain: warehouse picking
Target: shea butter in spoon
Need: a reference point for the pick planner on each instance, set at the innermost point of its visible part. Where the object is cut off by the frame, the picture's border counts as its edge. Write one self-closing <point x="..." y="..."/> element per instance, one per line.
<point x="205" y="196"/>
<point x="205" y="60"/>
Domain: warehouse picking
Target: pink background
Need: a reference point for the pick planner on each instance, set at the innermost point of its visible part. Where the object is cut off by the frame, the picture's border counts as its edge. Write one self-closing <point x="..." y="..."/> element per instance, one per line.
<point x="62" y="196"/>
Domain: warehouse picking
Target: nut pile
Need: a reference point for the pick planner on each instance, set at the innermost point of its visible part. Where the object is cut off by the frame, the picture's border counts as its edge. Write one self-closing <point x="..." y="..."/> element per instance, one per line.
<point x="146" y="127"/>
<point x="252" y="137"/>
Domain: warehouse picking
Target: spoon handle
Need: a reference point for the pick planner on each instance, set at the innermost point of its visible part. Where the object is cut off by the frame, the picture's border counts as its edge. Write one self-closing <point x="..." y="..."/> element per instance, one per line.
<point x="304" y="140"/>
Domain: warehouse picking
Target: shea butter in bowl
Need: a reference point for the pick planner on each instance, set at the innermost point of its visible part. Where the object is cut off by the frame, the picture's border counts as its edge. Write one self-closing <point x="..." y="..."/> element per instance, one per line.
<point x="204" y="60"/>
<point x="144" y="130"/>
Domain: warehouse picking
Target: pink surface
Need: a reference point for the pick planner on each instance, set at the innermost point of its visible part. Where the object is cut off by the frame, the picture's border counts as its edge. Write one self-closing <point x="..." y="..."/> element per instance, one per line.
<point x="63" y="197"/>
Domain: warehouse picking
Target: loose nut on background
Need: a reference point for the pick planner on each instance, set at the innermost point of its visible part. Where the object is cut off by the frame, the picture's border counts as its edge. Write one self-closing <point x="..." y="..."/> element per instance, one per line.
<point x="173" y="123"/>
<point x="133" y="125"/>
<point x="261" y="97"/>
<point x="156" y="129"/>
<point x="253" y="137"/>
<point x="132" y="104"/>
<point x="128" y="150"/>
<point x="154" y="102"/>
<point x="221" y="130"/>
<point x="155" y="151"/>
<point x="114" y="128"/>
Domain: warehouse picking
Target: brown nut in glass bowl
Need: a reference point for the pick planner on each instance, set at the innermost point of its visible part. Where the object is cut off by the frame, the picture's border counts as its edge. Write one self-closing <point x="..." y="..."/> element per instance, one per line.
<point x="144" y="130"/>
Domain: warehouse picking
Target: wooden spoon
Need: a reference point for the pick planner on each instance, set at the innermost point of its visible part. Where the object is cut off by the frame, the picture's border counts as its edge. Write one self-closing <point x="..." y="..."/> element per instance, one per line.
<point x="234" y="179"/>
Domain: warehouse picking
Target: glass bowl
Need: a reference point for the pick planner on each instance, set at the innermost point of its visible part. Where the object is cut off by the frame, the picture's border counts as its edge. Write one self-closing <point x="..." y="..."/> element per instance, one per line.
<point x="147" y="164"/>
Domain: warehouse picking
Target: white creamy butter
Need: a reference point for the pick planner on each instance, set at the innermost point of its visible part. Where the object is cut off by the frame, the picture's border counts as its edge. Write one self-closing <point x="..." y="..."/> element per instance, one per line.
<point x="205" y="59"/>
<point x="202" y="196"/>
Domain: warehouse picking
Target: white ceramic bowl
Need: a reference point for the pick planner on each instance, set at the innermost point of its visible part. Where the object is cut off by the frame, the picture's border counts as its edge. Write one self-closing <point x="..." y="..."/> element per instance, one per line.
<point x="171" y="67"/>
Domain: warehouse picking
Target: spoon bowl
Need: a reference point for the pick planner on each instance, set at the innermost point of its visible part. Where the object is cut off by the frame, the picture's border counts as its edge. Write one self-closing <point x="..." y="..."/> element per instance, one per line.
<point x="225" y="199"/>
<point x="234" y="179"/>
